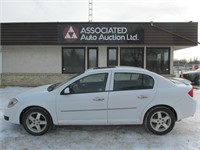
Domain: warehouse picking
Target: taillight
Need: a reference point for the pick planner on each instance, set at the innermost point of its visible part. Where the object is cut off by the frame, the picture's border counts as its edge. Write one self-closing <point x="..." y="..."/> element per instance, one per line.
<point x="191" y="92"/>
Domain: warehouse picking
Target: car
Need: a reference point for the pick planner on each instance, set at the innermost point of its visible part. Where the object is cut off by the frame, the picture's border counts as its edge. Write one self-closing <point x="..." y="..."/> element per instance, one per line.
<point x="193" y="76"/>
<point x="104" y="96"/>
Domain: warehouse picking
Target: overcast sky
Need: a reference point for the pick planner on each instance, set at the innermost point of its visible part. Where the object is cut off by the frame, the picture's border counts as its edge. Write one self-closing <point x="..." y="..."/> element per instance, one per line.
<point x="105" y="11"/>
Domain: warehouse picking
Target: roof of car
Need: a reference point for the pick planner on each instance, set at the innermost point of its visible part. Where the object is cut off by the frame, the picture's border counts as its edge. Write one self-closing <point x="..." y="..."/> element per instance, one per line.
<point x="117" y="68"/>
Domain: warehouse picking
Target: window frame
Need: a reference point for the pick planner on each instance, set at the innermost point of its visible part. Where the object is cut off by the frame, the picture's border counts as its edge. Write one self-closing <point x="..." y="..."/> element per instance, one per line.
<point x="97" y="56"/>
<point x="108" y="49"/>
<point x="107" y="78"/>
<point x="143" y="52"/>
<point x="169" y="58"/>
<point x="62" y="61"/>
<point x="142" y="87"/>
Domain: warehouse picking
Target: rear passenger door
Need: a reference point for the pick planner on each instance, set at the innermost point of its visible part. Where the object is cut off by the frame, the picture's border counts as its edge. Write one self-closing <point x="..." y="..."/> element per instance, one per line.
<point x="130" y="94"/>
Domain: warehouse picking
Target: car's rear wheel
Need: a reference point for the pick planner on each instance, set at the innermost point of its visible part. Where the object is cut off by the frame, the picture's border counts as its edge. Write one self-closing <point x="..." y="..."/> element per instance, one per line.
<point x="160" y="120"/>
<point x="36" y="121"/>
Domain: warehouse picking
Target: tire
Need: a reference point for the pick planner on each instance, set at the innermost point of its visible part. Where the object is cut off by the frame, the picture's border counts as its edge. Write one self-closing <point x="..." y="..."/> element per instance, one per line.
<point x="37" y="121"/>
<point x="159" y="120"/>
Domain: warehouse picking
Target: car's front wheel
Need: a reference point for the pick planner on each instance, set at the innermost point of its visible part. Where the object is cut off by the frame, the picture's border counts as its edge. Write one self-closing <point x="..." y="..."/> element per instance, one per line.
<point x="36" y="121"/>
<point x="160" y="120"/>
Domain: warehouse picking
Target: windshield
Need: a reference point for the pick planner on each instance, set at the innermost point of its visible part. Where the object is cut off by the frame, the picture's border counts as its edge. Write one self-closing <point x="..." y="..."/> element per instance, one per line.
<point x="56" y="85"/>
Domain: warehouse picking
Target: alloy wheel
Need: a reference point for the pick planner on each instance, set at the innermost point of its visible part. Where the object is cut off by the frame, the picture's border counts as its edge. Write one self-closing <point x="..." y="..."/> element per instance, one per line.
<point x="160" y="121"/>
<point x="36" y="122"/>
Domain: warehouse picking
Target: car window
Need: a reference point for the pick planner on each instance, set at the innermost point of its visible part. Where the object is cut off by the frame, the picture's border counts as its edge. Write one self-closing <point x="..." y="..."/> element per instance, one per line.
<point x="93" y="78"/>
<point x="89" y="84"/>
<point x="132" y="81"/>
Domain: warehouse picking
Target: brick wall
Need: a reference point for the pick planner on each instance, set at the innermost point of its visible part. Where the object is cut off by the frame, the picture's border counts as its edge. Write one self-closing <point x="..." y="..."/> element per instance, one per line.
<point x="31" y="79"/>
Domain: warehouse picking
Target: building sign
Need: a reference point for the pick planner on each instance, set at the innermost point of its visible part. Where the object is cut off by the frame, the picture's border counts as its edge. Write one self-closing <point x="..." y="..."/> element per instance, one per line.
<point x="99" y="33"/>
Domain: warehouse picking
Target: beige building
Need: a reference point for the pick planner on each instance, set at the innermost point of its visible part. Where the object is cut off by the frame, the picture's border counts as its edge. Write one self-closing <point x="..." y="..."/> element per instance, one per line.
<point x="33" y="54"/>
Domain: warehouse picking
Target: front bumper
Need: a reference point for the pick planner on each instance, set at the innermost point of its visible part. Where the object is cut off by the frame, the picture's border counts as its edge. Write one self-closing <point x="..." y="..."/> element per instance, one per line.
<point x="12" y="115"/>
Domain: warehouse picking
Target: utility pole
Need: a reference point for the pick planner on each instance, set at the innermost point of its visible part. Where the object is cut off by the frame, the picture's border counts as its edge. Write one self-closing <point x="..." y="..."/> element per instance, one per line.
<point x="90" y="11"/>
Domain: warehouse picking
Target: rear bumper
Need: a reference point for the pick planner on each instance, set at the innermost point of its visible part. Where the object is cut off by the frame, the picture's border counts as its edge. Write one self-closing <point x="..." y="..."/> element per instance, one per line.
<point x="187" y="108"/>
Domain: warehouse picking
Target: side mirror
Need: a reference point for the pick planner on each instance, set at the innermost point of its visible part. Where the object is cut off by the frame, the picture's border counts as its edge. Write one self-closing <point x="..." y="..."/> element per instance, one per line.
<point x="66" y="91"/>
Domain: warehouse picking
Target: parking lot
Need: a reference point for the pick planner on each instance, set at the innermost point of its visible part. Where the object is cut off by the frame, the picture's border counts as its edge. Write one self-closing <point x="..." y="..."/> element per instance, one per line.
<point x="185" y="135"/>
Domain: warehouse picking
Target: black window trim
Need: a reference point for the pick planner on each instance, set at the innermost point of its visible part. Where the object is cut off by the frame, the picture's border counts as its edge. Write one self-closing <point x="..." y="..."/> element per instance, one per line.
<point x="169" y="55"/>
<point x="97" y="57"/>
<point x="143" y="51"/>
<point x="117" y="52"/>
<point x="62" y="61"/>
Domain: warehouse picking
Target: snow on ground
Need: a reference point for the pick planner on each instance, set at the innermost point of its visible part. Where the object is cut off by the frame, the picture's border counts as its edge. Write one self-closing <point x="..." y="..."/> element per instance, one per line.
<point x="185" y="135"/>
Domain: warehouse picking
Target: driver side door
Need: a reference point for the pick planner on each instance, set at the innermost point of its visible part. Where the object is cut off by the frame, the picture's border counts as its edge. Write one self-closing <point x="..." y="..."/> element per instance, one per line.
<point x="86" y="102"/>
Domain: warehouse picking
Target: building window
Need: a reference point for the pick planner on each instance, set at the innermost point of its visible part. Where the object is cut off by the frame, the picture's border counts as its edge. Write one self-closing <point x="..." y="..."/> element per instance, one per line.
<point x="132" y="57"/>
<point x="92" y="57"/>
<point x="73" y="60"/>
<point x="112" y="57"/>
<point x="158" y="60"/>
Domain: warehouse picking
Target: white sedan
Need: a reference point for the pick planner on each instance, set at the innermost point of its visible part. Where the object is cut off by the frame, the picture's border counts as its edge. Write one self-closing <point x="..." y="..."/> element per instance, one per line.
<point x="104" y="96"/>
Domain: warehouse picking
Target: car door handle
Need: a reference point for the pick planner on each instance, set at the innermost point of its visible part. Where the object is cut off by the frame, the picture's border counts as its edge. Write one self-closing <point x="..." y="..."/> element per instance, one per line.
<point x="142" y="97"/>
<point x="98" y="99"/>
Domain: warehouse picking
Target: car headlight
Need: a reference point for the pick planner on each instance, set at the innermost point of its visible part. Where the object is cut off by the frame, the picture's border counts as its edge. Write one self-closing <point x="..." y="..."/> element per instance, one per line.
<point x="12" y="102"/>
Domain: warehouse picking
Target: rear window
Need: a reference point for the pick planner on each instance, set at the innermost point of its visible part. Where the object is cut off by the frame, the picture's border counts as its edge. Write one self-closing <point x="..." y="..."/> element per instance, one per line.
<point x="132" y="81"/>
